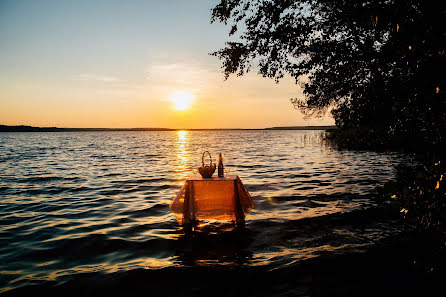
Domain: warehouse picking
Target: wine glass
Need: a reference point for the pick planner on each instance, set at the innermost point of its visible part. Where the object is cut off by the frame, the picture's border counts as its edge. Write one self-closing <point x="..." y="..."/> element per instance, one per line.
<point x="195" y="171"/>
<point x="227" y="170"/>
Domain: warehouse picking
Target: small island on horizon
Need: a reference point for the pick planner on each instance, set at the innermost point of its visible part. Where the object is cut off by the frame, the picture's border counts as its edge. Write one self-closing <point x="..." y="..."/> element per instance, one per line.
<point x="24" y="128"/>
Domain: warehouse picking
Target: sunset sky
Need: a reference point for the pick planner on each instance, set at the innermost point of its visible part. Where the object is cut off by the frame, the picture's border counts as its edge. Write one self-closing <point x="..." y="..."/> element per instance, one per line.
<point x="124" y="63"/>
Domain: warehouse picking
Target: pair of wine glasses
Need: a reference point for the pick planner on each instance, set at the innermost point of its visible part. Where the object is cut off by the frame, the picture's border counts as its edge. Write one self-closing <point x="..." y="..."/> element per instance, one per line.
<point x="227" y="171"/>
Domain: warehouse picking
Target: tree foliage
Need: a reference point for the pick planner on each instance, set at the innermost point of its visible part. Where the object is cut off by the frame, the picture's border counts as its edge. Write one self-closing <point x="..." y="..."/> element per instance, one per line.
<point x="377" y="64"/>
<point x="419" y="190"/>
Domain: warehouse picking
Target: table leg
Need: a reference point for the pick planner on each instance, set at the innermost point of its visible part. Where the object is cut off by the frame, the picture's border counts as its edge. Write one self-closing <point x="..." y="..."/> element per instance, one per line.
<point x="192" y="203"/>
<point x="239" y="214"/>
<point x="186" y="209"/>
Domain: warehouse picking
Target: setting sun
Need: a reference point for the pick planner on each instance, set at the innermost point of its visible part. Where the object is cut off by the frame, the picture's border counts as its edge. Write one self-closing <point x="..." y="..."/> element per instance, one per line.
<point x="182" y="99"/>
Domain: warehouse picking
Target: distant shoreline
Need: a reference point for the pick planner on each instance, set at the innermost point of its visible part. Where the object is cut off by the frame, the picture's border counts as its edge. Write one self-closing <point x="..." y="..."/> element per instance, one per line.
<point x="22" y="128"/>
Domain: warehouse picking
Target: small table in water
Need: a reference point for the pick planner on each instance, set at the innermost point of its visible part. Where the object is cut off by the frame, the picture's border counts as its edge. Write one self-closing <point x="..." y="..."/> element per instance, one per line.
<point x="216" y="198"/>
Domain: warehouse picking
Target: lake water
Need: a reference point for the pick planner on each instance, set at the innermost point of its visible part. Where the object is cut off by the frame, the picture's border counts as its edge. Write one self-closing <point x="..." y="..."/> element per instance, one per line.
<point x="90" y="205"/>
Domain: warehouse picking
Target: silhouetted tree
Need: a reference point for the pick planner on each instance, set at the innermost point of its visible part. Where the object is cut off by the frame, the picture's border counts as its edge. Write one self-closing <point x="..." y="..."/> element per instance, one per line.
<point x="376" y="64"/>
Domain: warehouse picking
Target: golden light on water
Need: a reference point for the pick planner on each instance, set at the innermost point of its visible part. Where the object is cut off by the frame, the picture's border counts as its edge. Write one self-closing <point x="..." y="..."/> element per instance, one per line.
<point x="182" y="156"/>
<point x="182" y="100"/>
<point x="182" y="139"/>
<point x="181" y="136"/>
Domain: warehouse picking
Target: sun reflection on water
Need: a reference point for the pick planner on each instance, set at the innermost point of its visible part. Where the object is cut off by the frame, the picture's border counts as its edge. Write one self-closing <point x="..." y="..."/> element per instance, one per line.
<point x="181" y="168"/>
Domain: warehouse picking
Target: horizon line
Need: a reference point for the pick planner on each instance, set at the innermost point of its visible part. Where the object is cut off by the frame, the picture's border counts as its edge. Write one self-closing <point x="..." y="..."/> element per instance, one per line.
<point x="26" y="128"/>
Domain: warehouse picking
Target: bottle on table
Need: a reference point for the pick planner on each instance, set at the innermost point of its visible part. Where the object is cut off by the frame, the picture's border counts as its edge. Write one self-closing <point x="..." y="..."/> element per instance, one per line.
<point x="220" y="165"/>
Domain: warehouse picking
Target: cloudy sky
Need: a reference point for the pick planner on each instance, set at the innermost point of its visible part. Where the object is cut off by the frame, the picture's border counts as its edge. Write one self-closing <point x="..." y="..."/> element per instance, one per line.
<point x="120" y="63"/>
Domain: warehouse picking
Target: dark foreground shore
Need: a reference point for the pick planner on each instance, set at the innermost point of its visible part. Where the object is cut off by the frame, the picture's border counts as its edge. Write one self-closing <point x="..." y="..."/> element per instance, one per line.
<point x="413" y="266"/>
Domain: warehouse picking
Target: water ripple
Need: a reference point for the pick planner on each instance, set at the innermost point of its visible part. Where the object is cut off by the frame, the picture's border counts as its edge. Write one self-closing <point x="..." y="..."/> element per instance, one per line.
<point x="87" y="202"/>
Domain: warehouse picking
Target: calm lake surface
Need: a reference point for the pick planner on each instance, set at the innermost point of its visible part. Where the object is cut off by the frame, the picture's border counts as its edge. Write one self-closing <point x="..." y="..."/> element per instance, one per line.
<point x="94" y="204"/>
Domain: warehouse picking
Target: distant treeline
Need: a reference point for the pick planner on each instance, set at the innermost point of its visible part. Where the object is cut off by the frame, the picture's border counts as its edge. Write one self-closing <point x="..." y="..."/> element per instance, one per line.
<point x="21" y="128"/>
<point x="303" y="128"/>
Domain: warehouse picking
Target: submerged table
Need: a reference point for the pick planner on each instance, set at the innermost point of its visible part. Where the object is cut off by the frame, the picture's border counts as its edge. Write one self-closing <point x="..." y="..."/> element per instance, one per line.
<point x="216" y="198"/>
